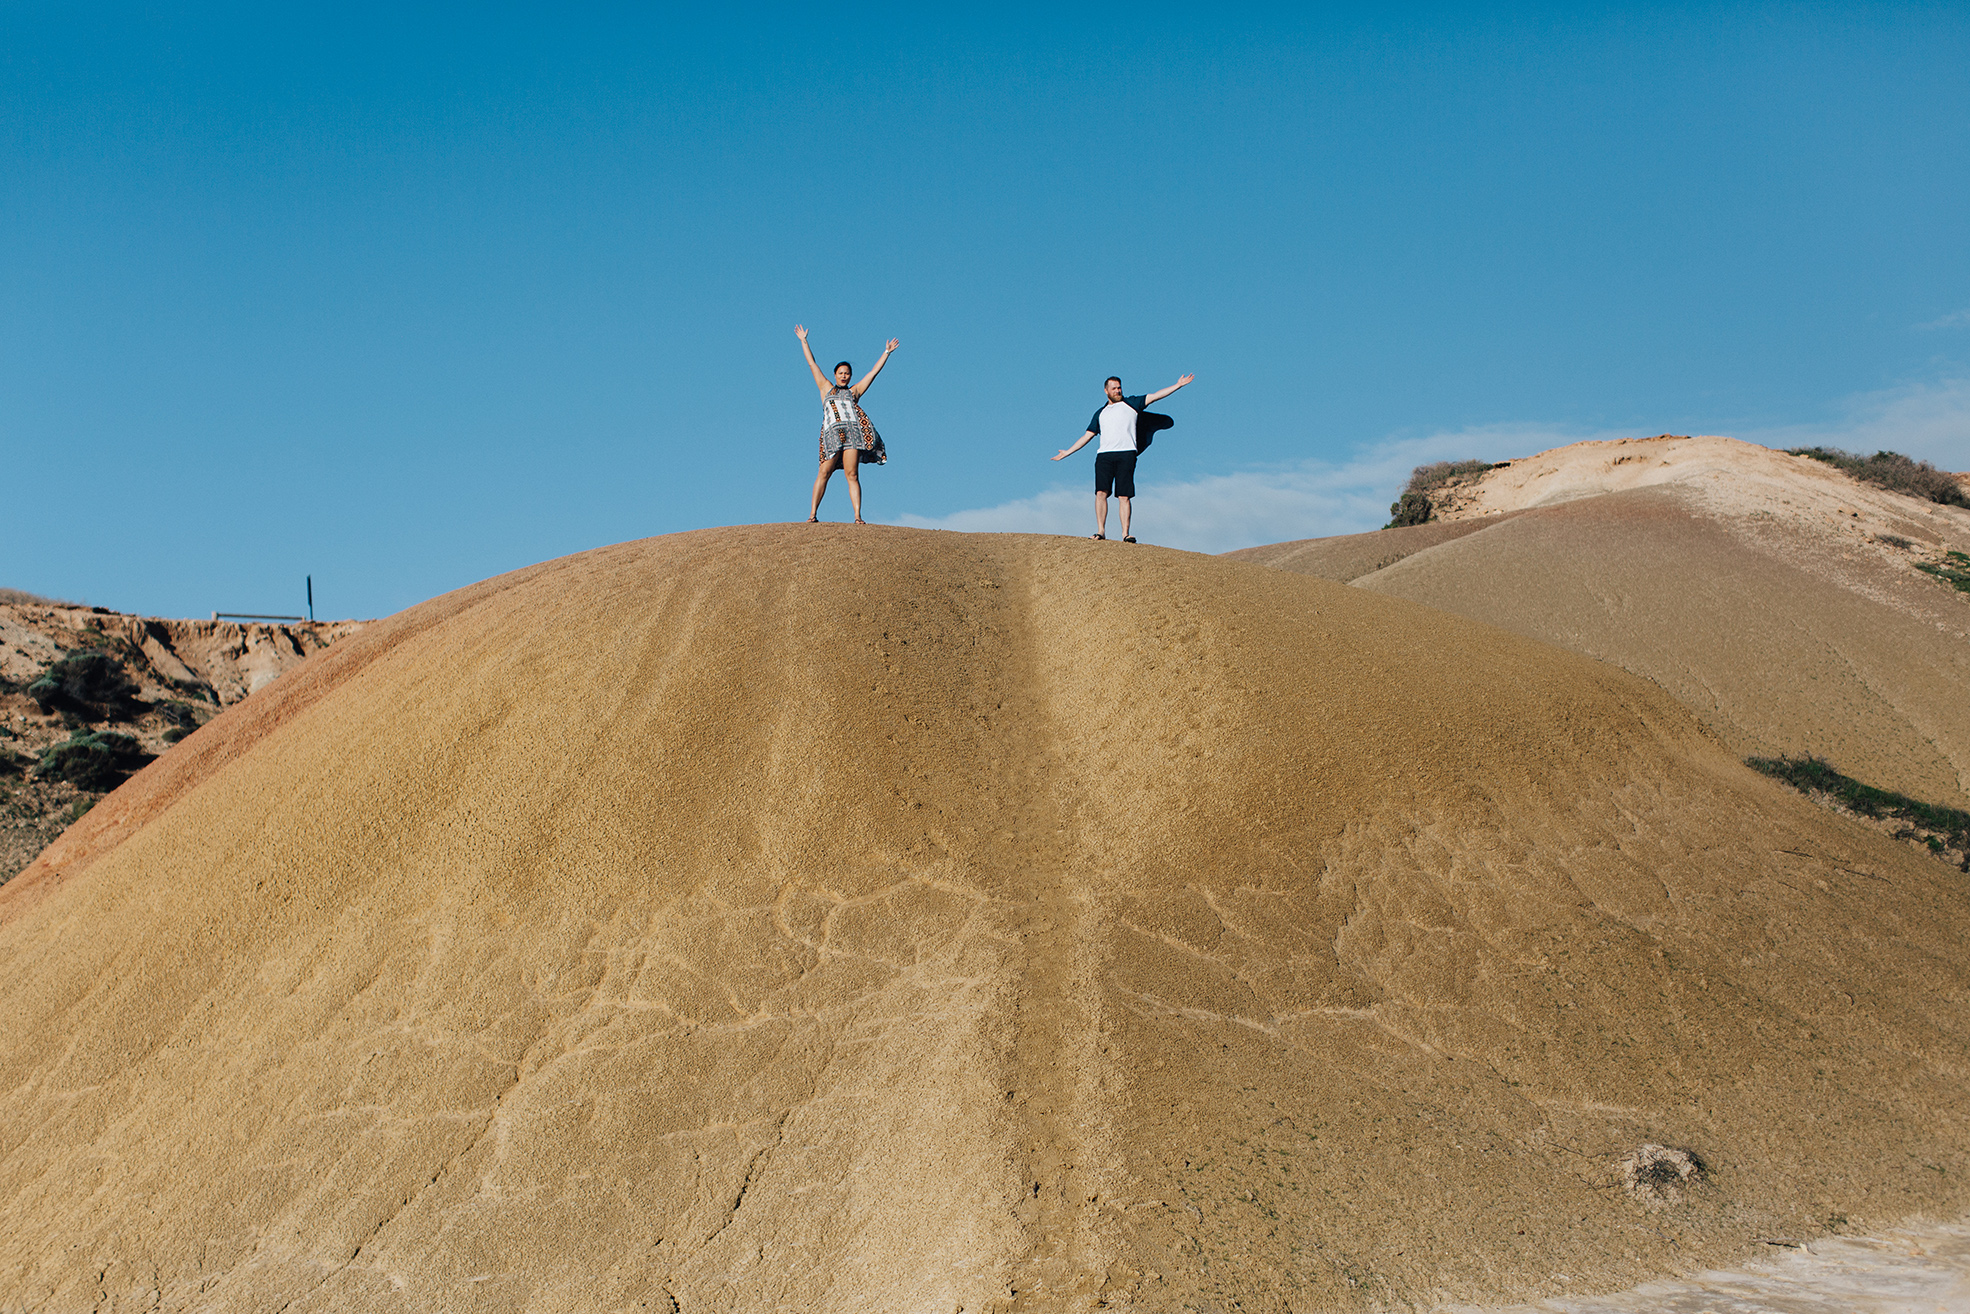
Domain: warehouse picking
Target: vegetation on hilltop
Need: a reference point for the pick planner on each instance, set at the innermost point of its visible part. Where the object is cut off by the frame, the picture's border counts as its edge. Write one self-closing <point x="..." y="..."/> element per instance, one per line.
<point x="1893" y="471"/>
<point x="1954" y="571"/>
<point x="22" y="598"/>
<point x="1414" y="506"/>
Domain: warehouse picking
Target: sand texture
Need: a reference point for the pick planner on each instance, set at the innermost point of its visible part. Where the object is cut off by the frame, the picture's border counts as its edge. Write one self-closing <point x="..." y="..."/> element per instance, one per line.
<point x="820" y="918"/>
<point x="1765" y="591"/>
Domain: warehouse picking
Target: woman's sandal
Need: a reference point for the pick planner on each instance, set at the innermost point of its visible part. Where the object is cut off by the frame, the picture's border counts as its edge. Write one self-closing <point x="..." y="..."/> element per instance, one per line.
<point x="1129" y="539"/>
<point x="1099" y="538"/>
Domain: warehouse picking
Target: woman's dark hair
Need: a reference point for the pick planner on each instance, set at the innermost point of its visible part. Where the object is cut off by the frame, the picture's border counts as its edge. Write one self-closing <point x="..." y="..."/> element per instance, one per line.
<point x="839" y="364"/>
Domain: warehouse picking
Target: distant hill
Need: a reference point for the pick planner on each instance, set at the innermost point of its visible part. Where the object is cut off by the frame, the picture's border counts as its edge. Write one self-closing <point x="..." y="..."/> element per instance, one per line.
<point x="1794" y="608"/>
<point x="105" y="693"/>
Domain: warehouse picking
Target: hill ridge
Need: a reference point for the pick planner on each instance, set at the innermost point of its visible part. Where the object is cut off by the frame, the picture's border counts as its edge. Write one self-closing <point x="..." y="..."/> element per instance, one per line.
<point x="842" y="918"/>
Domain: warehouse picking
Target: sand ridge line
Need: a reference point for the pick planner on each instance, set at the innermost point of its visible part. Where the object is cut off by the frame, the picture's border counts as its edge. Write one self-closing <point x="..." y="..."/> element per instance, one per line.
<point x="1055" y="1010"/>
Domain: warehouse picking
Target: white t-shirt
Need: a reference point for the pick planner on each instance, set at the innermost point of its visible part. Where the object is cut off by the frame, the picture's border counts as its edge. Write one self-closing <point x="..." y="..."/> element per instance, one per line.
<point x="1117" y="427"/>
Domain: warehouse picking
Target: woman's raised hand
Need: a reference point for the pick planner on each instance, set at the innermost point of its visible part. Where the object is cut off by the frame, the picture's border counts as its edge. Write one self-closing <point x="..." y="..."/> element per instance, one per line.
<point x="800" y="332"/>
<point x="890" y="345"/>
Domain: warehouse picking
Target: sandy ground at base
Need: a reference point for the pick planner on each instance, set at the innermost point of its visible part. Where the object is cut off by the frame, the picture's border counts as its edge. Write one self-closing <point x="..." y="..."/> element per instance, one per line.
<point x="828" y="918"/>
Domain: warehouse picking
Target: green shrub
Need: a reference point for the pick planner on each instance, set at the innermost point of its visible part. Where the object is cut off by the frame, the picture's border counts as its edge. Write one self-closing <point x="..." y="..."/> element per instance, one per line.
<point x="1955" y="576"/>
<point x="97" y="760"/>
<point x="83" y="680"/>
<point x="1410" y="509"/>
<point x="1438" y="473"/>
<point x="1951" y="826"/>
<point x="1414" y="507"/>
<point x="1892" y="470"/>
<point x="178" y="714"/>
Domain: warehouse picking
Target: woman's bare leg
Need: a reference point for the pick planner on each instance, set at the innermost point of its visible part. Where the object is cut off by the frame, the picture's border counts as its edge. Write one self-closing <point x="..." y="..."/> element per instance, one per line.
<point x="850" y="458"/>
<point x="821" y="486"/>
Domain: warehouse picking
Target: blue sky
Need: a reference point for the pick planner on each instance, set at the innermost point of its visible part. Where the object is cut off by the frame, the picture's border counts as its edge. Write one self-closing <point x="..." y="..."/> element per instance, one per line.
<point x="406" y="298"/>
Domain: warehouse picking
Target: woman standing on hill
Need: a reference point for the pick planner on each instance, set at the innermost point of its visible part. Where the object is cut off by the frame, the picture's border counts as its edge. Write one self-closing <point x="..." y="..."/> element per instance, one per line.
<point x="847" y="438"/>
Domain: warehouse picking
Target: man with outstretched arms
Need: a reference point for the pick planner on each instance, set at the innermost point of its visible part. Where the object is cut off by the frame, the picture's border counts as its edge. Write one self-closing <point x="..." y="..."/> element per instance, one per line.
<point x="1123" y="433"/>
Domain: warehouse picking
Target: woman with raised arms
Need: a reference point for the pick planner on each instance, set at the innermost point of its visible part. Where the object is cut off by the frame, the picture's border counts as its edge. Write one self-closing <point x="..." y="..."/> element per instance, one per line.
<point x="848" y="440"/>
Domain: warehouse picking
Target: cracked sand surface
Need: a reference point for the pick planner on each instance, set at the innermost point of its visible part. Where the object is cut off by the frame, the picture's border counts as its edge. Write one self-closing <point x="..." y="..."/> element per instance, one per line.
<point x="785" y="917"/>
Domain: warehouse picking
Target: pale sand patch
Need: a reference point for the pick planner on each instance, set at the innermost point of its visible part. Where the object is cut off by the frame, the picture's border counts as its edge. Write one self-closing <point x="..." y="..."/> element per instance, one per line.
<point x="1919" y="1269"/>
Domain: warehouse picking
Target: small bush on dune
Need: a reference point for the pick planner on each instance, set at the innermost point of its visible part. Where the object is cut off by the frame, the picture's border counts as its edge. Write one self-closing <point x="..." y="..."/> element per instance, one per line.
<point x="179" y="720"/>
<point x="1955" y="571"/>
<point x="1809" y="775"/>
<point x="1893" y="471"/>
<point x="1438" y="473"/>
<point x="1410" y="509"/>
<point x="97" y="761"/>
<point x="83" y="680"/>
<point x="1414" y="506"/>
<point x="22" y="598"/>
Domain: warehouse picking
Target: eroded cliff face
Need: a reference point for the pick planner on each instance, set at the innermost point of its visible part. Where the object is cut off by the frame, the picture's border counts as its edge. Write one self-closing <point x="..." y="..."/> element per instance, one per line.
<point x="122" y="689"/>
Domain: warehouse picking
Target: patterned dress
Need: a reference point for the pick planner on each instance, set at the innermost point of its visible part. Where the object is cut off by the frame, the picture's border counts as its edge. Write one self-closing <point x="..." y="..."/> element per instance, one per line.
<point x="845" y="424"/>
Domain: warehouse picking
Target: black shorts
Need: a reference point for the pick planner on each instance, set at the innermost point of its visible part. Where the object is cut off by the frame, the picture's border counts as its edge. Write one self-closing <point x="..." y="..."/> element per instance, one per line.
<point x="1114" y="472"/>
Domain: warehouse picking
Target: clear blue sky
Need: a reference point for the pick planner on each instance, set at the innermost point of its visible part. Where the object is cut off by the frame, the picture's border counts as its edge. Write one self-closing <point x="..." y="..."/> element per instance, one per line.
<point x="403" y="300"/>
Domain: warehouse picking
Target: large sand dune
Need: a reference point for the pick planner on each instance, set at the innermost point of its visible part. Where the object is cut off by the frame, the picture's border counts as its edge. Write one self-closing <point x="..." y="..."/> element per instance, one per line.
<point x="1767" y="592"/>
<point x="863" y="919"/>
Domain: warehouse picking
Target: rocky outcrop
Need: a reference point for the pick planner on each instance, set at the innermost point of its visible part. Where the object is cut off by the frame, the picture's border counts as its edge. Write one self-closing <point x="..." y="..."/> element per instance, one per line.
<point x="69" y="676"/>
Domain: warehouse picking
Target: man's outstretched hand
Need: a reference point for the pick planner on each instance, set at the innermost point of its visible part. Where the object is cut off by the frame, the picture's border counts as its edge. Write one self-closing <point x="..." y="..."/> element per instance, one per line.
<point x="800" y="332"/>
<point x="1185" y="379"/>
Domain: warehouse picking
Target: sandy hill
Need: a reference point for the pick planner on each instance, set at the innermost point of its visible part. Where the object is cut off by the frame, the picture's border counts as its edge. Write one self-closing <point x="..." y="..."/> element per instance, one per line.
<point x="836" y="919"/>
<point x="1774" y="595"/>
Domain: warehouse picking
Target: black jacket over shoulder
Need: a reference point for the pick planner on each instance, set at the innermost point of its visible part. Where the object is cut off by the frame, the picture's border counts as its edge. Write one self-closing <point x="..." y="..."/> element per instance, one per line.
<point x="1147" y="425"/>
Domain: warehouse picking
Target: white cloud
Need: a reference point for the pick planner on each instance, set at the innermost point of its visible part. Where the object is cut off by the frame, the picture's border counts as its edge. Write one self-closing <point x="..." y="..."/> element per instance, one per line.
<point x="1959" y="319"/>
<point x="1243" y="508"/>
<point x="1929" y="421"/>
<point x="1313" y="499"/>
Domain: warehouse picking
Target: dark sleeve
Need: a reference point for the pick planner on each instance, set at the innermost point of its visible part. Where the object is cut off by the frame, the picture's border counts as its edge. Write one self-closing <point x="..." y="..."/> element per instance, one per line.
<point x="1094" y="425"/>
<point x="1140" y="403"/>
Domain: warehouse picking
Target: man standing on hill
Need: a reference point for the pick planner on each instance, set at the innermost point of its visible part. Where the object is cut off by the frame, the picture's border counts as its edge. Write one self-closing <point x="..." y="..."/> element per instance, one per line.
<point x="1125" y="430"/>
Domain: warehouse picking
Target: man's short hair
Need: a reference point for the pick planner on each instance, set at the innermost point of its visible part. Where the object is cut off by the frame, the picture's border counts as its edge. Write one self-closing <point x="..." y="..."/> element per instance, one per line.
<point x="1113" y="378"/>
<point x="839" y="364"/>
